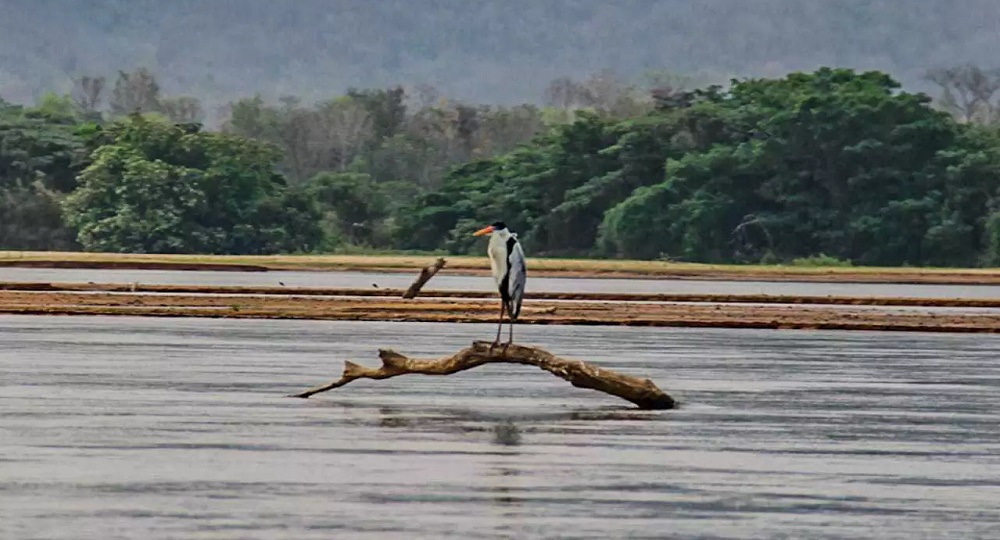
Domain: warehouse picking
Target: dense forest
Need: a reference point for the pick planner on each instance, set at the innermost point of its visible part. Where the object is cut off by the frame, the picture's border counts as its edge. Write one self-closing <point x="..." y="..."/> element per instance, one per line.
<point x="834" y="163"/>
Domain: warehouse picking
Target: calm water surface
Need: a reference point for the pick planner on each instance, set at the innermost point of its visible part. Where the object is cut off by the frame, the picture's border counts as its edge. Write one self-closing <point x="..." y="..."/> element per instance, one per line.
<point x="177" y="428"/>
<point x="403" y="280"/>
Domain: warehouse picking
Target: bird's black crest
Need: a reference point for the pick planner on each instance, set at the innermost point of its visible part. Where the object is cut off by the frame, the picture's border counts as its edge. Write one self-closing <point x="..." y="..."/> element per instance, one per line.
<point x="497" y="225"/>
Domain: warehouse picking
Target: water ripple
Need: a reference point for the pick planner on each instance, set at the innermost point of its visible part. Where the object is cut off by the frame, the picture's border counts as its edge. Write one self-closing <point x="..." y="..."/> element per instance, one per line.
<point x="162" y="428"/>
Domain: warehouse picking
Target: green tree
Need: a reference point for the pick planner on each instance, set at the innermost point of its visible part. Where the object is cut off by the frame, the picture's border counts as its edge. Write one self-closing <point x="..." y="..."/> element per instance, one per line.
<point x="42" y="150"/>
<point x="157" y="187"/>
<point x="387" y="109"/>
<point x="353" y="204"/>
<point x="31" y="219"/>
<point x="991" y="253"/>
<point x="690" y="216"/>
<point x="832" y="162"/>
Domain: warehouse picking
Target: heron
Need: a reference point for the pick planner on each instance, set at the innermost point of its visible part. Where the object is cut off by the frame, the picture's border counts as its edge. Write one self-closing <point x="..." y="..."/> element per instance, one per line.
<point x="509" y="272"/>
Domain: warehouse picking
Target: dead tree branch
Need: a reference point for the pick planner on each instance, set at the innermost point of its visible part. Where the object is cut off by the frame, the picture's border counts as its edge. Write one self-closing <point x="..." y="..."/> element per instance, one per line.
<point x="641" y="392"/>
<point x="425" y="275"/>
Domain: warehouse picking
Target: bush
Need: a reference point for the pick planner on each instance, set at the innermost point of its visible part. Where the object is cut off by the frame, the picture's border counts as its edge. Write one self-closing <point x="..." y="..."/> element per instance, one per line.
<point x="821" y="260"/>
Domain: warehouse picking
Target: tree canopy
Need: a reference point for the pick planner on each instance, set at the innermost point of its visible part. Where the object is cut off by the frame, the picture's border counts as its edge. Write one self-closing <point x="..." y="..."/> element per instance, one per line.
<point x="833" y="162"/>
<point x="155" y="187"/>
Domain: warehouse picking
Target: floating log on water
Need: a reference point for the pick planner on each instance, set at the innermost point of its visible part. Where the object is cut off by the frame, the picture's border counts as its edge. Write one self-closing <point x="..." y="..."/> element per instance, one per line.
<point x="425" y="275"/>
<point x="641" y="392"/>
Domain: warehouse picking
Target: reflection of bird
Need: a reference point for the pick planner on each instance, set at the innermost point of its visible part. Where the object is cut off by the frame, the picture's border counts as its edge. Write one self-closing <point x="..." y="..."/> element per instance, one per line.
<point x="509" y="272"/>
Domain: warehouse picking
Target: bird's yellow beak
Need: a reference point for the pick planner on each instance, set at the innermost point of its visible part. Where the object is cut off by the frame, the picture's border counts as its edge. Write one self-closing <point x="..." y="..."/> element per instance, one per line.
<point x="485" y="230"/>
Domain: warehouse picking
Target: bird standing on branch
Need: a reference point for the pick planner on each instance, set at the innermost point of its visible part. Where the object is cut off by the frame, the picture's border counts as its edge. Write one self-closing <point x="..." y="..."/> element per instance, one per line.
<point x="509" y="272"/>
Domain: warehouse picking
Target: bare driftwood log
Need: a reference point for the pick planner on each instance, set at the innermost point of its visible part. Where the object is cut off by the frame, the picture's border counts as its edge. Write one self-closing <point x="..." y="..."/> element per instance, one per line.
<point x="641" y="392"/>
<point x="425" y="275"/>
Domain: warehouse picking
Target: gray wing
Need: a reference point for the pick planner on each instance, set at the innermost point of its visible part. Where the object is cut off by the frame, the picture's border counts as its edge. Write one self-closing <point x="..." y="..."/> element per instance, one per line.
<point x="517" y="275"/>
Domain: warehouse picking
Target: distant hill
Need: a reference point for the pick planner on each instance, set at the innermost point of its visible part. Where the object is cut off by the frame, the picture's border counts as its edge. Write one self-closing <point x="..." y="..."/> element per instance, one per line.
<point x="486" y="51"/>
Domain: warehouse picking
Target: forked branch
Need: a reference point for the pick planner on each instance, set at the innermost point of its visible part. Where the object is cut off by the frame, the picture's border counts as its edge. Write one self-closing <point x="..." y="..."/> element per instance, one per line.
<point x="641" y="392"/>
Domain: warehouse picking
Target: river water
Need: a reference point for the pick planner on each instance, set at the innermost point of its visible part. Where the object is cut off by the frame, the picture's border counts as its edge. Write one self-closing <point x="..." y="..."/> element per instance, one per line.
<point x="540" y="284"/>
<point x="119" y="427"/>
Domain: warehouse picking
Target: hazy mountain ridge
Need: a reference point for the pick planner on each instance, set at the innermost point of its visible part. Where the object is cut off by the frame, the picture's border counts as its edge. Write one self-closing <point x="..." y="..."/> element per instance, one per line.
<point x="220" y="50"/>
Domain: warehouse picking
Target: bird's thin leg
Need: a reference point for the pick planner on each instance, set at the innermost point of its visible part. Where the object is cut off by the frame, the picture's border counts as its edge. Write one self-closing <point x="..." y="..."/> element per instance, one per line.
<point x="503" y="308"/>
<point x="511" y="339"/>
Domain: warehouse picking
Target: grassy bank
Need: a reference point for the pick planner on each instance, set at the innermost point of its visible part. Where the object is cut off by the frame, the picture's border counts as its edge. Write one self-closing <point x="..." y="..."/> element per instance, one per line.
<point x="479" y="265"/>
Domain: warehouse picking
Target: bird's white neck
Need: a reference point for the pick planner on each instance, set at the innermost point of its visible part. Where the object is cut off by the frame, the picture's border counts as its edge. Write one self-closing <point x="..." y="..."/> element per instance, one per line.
<point x="501" y="234"/>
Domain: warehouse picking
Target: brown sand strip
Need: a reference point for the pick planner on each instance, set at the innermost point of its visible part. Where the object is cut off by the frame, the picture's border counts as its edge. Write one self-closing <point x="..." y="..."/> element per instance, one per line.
<point x="486" y="311"/>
